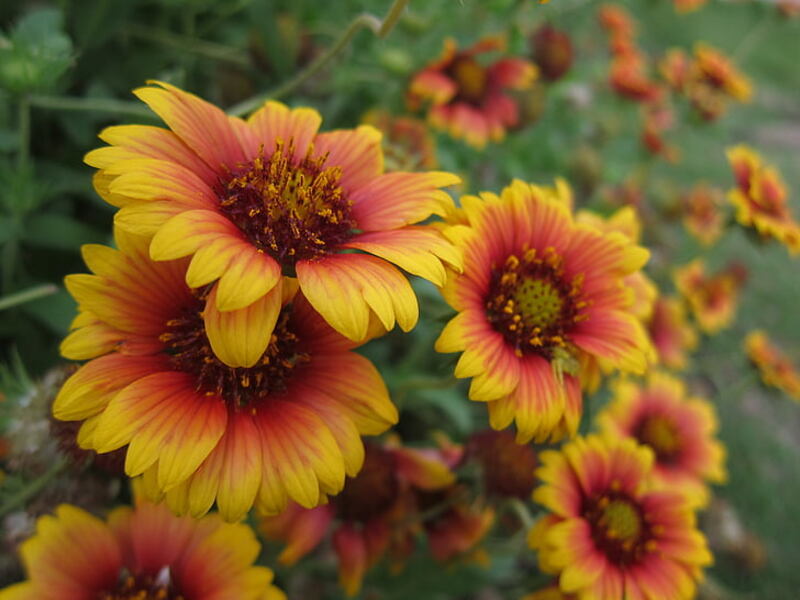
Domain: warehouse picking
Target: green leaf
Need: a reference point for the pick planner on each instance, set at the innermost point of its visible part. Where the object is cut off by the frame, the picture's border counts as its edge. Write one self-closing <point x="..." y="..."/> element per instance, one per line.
<point x="35" y="53"/>
<point x="7" y="229"/>
<point x="56" y="311"/>
<point x="59" y="232"/>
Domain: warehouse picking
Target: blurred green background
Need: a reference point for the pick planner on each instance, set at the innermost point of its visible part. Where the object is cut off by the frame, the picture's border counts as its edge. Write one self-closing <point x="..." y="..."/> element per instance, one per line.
<point x="67" y="69"/>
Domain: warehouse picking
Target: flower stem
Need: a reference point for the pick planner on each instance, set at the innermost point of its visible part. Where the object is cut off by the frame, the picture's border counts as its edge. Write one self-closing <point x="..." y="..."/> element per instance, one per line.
<point x="33" y="488"/>
<point x="121" y="107"/>
<point x="24" y="131"/>
<point x="34" y="293"/>
<point x="188" y="44"/>
<point x="381" y="28"/>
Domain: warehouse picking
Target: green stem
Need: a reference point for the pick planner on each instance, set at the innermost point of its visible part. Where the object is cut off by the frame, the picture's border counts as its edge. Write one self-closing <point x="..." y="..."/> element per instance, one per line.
<point x="121" y="107"/>
<point x="188" y="44"/>
<point x="391" y="18"/>
<point x="24" y="125"/>
<point x="9" y="263"/>
<point x="34" y="293"/>
<point x="364" y="20"/>
<point x="521" y="510"/>
<point x="33" y="488"/>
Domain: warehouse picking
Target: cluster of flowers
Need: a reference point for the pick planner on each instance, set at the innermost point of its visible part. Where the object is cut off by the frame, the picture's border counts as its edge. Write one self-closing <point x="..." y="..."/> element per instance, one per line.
<point x="254" y="256"/>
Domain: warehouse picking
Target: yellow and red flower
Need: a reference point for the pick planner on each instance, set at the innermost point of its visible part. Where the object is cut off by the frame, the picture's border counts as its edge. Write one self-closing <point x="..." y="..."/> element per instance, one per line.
<point x="760" y="198"/>
<point x="712" y="80"/>
<point x="702" y="213"/>
<point x="407" y="142"/>
<point x="379" y="512"/>
<point x="541" y="299"/>
<point x="469" y="99"/>
<point x="712" y="298"/>
<point x="284" y="424"/>
<point x="671" y="333"/>
<point x="774" y="365"/>
<point x="253" y="200"/>
<point x="678" y="429"/>
<point x="140" y="553"/>
<point x="610" y="536"/>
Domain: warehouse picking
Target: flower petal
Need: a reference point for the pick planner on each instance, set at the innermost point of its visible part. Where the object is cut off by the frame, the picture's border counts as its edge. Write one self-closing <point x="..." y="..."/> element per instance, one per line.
<point x="343" y="288"/>
<point x="418" y="250"/>
<point x="239" y="338"/>
<point x="393" y="200"/>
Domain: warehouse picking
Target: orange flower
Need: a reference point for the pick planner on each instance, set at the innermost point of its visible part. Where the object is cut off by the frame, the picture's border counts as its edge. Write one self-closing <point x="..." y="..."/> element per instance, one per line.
<point x="702" y="214"/>
<point x="679" y="429"/>
<point x="285" y="425"/>
<point x="252" y="200"/>
<point x="761" y="198"/>
<point x="671" y="333"/>
<point x="379" y="511"/>
<point x="616" y="20"/>
<point x="541" y="299"/>
<point x="469" y="99"/>
<point x="776" y="368"/>
<point x="713" y="69"/>
<point x="629" y="78"/>
<point x="608" y="535"/>
<point x="713" y="299"/>
<point x="407" y="142"/>
<point x="141" y="553"/>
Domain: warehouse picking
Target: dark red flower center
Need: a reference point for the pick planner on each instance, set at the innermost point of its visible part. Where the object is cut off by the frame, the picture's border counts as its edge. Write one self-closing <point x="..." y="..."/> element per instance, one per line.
<point x="533" y="304"/>
<point x="190" y="351"/>
<point x="373" y="491"/>
<point x="292" y="210"/>
<point x="143" y="587"/>
<point x="619" y="527"/>
<point x="471" y="79"/>
<point x="660" y="433"/>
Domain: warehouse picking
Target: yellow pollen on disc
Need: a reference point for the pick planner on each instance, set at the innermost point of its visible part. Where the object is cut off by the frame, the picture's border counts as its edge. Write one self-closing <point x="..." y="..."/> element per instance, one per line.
<point x="538" y="302"/>
<point x="660" y="434"/>
<point x="621" y="521"/>
<point x="471" y="78"/>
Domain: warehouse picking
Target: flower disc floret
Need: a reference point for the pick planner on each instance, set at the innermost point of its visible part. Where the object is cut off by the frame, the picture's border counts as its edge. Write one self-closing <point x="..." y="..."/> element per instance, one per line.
<point x="291" y="211"/>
